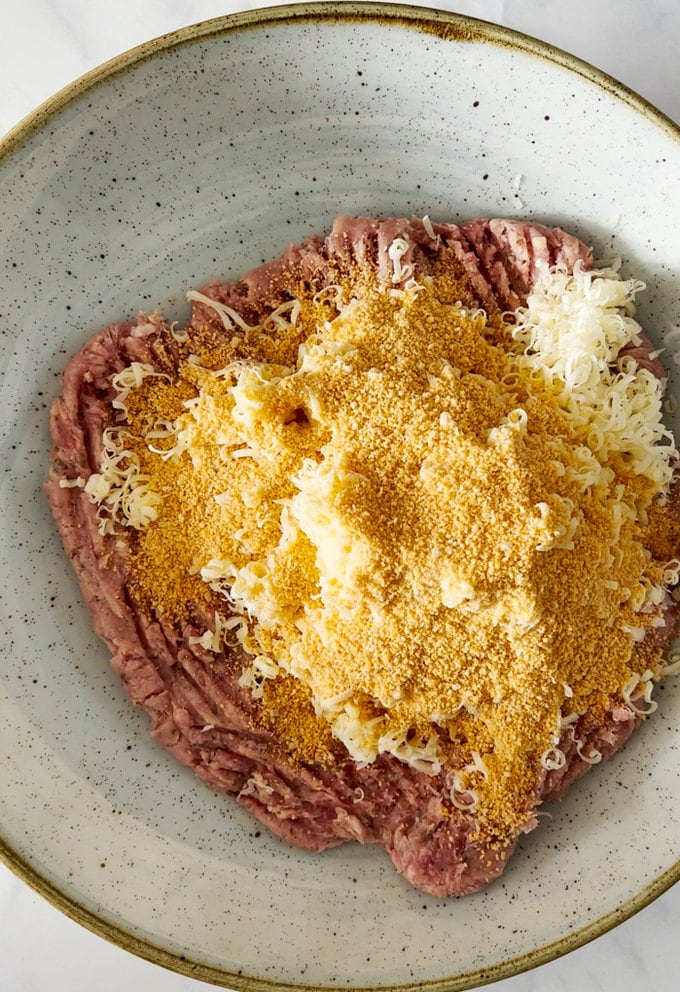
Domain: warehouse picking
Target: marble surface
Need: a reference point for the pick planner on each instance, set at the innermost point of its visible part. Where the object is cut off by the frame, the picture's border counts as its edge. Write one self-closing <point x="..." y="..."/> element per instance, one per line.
<point x="45" y="44"/>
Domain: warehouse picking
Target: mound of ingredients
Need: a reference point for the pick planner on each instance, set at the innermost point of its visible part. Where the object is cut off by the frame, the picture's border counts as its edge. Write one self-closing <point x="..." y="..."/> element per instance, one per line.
<point x="385" y="540"/>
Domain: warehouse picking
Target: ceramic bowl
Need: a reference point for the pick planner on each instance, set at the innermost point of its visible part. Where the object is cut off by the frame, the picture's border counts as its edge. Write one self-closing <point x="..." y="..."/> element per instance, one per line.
<point x="199" y="155"/>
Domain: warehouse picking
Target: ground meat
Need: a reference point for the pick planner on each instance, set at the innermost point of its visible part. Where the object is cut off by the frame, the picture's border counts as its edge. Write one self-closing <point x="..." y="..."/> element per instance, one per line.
<point x="198" y="710"/>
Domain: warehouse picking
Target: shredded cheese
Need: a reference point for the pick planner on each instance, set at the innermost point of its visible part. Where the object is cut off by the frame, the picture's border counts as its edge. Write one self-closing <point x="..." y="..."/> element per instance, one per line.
<point x="573" y="329"/>
<point x="120" y="490"/>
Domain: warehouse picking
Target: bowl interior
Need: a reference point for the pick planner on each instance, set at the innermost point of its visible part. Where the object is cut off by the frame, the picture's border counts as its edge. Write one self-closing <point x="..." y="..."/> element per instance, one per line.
<point x="201" y="156"/>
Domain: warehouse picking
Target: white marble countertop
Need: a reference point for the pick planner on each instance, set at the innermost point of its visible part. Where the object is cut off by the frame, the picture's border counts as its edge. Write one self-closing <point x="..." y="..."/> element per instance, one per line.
<point x="45" y="44"/>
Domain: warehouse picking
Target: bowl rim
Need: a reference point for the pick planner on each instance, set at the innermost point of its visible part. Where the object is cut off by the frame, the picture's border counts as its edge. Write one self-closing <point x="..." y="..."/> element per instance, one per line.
<point x="448" y="26"/>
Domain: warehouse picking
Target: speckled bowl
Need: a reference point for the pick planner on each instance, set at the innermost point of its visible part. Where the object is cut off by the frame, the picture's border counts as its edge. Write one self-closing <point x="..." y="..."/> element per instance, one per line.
<point x="202" y="154"/>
